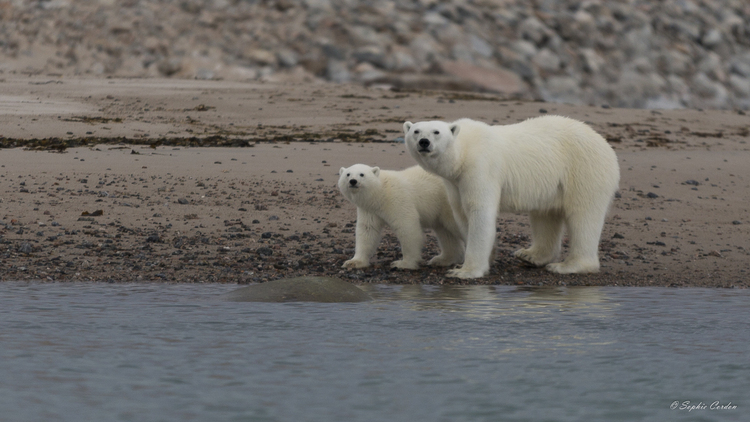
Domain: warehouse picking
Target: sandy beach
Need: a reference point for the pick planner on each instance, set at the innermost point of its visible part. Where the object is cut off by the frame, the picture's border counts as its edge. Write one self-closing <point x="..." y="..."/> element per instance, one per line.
<point x="216" y="181"/>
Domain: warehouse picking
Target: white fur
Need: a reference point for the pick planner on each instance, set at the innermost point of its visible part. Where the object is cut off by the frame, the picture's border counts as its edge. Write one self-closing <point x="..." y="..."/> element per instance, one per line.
<point x="407" y="201"/>
<point x="557" y="169"/>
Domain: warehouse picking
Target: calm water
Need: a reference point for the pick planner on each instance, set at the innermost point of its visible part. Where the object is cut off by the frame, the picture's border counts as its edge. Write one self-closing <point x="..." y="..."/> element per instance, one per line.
<point x="102" y="352"/>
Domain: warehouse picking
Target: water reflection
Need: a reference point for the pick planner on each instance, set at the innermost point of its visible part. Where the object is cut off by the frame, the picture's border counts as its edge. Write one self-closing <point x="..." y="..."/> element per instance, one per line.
<point x="502" y="300"/>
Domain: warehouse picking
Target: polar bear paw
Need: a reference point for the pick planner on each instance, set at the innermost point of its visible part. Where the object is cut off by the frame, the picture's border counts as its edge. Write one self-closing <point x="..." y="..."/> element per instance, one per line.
<point x="355" y="263"/>
<point x="574" y="267"/>
<point x="405" y="265"/>
<point x="442" y="261"/>
<point x="530" y="257"/>
<point x="465" y="273"/>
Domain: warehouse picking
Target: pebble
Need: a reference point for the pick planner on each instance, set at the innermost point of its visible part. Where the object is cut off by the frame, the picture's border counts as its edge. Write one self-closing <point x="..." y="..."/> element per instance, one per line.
<point x="183" y="201"/>
<point x="264" y="251"/>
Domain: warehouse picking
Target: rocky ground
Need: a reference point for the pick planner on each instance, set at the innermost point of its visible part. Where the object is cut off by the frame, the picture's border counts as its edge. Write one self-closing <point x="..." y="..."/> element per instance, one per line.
<point x="641" y="53"/>
<point x="123" y="180"/>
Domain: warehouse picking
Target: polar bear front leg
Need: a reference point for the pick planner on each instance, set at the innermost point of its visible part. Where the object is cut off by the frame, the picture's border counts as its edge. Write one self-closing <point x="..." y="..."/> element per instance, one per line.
<point x="481" y="238"/>
<point x="411" y="237"/>
<point x="369" y="227"/>
<point x="459" y="216"/>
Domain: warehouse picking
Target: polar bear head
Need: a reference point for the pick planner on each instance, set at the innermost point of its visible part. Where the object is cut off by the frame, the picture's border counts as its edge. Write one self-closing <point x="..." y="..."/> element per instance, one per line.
<point x="358" y="178"/>
<point x="429" y="139"/>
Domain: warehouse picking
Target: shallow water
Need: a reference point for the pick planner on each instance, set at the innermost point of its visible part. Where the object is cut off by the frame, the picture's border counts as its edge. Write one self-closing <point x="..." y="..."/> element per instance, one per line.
<point x="157" y="352"/>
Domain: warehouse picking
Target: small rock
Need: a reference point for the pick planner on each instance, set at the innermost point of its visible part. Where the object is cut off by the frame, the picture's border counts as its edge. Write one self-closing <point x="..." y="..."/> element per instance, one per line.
<point x="618" y="236"/>
<point x="691" y="182"/>
<point x="25" y="248"/>
<point x="652" y="195"/>
<point x="300" y="289"/>
<point x="736" y="222"/>
<point x="266" y="235"/>
<point x="183" y="201"/>
<point x="264" y="251"/>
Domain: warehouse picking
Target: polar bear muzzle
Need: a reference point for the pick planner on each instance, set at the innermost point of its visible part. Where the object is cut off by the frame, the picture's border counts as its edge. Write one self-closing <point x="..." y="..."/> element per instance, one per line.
<point x="424" y="145"/>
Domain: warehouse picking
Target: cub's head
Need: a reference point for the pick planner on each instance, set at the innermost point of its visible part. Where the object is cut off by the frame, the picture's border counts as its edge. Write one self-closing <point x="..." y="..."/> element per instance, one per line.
<point x="429" y="139"/>
<point x="358" y="178"/>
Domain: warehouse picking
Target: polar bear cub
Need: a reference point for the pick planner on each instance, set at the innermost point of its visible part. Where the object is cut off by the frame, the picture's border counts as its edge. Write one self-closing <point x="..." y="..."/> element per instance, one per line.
<point x="407" y="201"/>
<point x="557" y="169"/>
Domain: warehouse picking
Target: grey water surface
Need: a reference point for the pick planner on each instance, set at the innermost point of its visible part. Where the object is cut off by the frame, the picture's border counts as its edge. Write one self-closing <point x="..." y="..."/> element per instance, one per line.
<point x="160" y="352"/>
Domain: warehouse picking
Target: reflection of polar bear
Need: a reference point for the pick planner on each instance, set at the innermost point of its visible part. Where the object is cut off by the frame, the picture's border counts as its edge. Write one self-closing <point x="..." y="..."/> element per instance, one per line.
<point x="557" y="169"/>
<point x="407" y="201"/>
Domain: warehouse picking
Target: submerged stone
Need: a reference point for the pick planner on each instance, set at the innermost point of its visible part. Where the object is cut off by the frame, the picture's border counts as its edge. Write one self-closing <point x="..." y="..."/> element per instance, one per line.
<point x="300" y="289"/>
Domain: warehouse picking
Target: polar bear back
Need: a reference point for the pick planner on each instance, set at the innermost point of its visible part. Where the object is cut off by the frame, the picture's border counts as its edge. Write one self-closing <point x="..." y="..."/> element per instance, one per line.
<point x="549" y="162"/>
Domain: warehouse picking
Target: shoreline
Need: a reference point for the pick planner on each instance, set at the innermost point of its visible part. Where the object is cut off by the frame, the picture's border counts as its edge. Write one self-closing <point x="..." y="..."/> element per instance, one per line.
<point x="271" y="209"/>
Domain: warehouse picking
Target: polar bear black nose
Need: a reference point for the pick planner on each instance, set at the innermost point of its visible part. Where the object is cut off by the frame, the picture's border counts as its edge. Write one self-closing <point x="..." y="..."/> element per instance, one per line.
<point x="424" y="143"/>
<point x="353" y="182"/>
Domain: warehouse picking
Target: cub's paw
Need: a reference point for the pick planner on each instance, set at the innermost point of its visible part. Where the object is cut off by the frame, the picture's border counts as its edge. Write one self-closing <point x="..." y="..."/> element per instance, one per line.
<point x="442" y="261"/>
<point x="405" y="265"/>
<point x="464" y="273"/>
<point x="528" y="257"/>
<point x="355" y="263"/>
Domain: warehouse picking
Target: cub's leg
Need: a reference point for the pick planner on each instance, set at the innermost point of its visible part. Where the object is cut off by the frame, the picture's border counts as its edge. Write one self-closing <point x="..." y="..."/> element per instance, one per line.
<point x="369" y="227"/>
<point x="411" y="237"/>
<point x="451" y="248"/>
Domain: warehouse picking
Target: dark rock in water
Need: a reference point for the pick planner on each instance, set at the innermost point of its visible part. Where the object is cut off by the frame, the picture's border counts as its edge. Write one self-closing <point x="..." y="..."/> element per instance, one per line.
<point x="300" y="289"/>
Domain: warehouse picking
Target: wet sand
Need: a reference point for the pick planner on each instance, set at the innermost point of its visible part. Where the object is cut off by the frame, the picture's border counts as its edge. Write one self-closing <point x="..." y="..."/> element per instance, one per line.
<point x="258" y="200"/>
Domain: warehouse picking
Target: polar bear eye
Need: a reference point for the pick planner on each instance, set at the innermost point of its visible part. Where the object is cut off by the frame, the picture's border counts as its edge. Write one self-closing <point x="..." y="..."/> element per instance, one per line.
<point x="437" y="132"/>
<point x="348" y="174"/>
<point x="416" y="131"/>
<point x="361" y="175"/>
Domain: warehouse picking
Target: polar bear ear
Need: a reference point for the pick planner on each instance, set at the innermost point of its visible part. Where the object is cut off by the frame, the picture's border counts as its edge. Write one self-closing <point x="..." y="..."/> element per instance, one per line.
<point x="341" y="171"/>
<point x="407" y="126"/>
<point x="376" y="171"/>
<point x="454" y="128"/>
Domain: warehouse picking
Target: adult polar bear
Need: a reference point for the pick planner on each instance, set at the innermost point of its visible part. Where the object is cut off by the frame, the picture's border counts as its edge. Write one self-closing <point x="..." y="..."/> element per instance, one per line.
<point x="557" y="169"/>
<point x="407" y="201"/>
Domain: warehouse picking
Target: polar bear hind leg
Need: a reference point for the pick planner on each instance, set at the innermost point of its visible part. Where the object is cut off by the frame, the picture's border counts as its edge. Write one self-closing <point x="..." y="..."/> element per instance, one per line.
<point x="546" y="237"/>
<point x="584" y="230"/>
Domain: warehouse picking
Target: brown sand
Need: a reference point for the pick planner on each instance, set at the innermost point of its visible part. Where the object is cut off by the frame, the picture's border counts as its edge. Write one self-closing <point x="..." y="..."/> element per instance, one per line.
<point x="174" y="212"/>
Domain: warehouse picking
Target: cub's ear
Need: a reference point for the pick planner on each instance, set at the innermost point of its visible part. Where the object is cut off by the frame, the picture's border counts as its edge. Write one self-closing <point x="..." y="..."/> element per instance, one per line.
<point x="454" y="129"/>
<point x="341" y="171"/>
<point x="376" y="171"/>
<point x="407" y="126"/>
